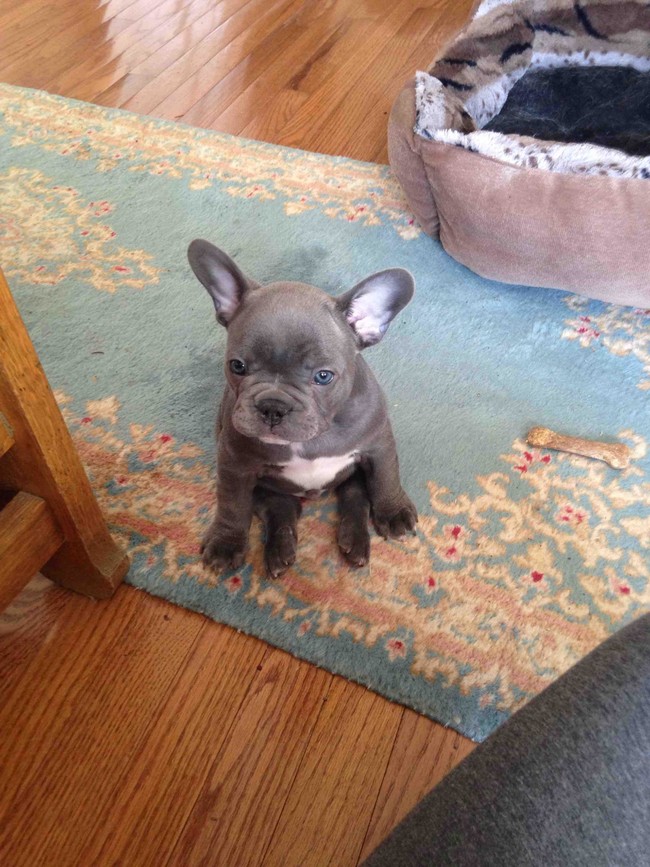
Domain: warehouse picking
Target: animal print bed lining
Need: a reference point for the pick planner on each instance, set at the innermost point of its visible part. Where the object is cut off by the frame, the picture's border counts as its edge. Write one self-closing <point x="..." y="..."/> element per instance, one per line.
<point x="468" y="87"/>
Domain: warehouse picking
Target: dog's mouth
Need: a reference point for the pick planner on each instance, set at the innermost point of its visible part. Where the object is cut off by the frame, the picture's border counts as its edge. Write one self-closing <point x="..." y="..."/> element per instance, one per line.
<point x="281" y="434"/>
<point x="296" y="426"/>
<point x="275" y="439"/>
<point x="278" y="415"/>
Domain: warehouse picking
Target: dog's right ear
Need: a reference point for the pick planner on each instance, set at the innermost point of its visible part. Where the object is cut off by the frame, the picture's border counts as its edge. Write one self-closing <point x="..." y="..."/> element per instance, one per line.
<point x="221" y="277"/>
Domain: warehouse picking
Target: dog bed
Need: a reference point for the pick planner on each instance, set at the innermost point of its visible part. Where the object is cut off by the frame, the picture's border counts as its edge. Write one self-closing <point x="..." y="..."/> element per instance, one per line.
<point x="526" y="146"/>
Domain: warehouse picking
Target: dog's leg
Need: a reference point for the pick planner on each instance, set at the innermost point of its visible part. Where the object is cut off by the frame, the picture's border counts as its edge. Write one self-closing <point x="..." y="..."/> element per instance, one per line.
<point x="224" y="543"/>
<point x="354" y="513"/>
<point x="279" y="513"/>
<point x="393" y="513"/>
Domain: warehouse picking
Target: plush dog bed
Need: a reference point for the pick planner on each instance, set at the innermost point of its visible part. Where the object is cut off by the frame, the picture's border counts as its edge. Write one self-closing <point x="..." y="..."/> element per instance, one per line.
<point x="526" y="146"/>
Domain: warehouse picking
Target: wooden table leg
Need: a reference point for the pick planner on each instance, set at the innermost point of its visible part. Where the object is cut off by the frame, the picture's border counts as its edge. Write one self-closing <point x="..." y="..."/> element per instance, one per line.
<point x="41" y="460"/>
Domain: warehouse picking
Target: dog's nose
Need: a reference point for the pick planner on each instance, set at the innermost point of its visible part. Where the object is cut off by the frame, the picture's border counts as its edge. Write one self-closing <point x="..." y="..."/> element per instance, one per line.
<point x="272" y="410"/>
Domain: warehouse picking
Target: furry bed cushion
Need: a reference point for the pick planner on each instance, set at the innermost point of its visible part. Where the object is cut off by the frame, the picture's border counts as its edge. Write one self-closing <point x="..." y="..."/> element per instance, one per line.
<point x="526" y="147"/>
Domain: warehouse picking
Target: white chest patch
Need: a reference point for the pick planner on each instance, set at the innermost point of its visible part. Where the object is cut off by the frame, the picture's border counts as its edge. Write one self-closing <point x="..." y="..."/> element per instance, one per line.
<point x="314" y="475"/>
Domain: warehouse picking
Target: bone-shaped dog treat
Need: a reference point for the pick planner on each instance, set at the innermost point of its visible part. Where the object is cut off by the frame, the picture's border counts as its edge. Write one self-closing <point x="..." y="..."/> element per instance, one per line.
<point x="617" y="455"/>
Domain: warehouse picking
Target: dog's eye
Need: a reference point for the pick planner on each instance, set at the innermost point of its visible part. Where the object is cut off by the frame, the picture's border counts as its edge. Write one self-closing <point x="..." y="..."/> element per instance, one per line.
<point x="323" y="377"/>
<point x="237" y="367"/>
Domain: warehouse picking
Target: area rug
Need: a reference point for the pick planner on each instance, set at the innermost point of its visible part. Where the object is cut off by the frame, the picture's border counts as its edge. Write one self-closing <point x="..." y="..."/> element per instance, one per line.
<point x="524" y="560"/>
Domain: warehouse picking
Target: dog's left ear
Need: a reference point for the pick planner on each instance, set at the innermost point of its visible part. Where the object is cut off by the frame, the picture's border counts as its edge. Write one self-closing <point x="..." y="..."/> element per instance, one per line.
<point x="221" y="277"/>
<point x="372" y="305"/>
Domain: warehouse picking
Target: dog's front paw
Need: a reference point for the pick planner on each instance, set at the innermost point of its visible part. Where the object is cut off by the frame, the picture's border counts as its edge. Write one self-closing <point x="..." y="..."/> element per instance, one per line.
<point x="354" y="541"/>
<point x="397" y="521"/>
<point x="220" y="554"/>
<point x="280" y="551"/>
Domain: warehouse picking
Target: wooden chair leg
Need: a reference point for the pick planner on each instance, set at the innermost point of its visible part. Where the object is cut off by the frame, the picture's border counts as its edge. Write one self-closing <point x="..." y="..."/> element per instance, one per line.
<point x="41" y="460"/>
<point x="29" y="536"/>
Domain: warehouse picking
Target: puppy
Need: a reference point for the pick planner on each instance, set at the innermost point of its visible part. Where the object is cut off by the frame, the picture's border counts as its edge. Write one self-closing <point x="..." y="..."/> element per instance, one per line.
<point x="302" y="412"/>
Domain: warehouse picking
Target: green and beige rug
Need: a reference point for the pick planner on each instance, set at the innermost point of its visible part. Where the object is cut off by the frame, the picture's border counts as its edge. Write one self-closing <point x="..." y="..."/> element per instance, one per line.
<point x="524" y="560"/>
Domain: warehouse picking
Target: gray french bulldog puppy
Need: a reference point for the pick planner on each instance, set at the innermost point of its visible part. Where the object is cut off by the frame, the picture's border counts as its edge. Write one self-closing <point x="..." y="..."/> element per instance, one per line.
<point x="302" y="412"/>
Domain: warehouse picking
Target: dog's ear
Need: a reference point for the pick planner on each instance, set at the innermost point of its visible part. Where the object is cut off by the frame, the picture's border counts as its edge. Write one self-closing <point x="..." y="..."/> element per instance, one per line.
<point x="372" y="304"/>
<point x="220" y="276"/>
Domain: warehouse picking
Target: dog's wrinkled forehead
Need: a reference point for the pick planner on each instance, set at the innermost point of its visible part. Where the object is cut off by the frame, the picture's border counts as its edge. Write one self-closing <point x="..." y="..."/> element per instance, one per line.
<point x="289" y="325"/>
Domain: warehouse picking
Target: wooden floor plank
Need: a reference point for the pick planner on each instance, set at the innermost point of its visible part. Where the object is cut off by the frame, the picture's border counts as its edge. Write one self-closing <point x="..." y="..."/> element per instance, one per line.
<point x="266" y="119"/>
<point x="315" y="116"/>
<point x="267" y="70"/>
<point x="120" y="91"/>
<point x="238" y="77"/>
<point x="202" y="65"/>
<point x="355" y="121"/>
<point x="372" y="89"/>
<point x="46" y="59"/>
<point x="324" y="819"/>
<point x="150" y="36"/>
<point x="25" y="625"/>
<point x="422" y="755"/>
<point x="299" y="72"/>
<point x="96" y="700"/>
<point x="255" y="766"/>
<point x="49" y="34"/>
<point x="30" y="40"/>
<point x="159" y="790"/>
<point x="16" y="19"/>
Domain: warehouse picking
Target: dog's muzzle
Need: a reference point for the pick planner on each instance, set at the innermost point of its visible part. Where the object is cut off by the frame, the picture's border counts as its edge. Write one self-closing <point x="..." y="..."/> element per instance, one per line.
<point x="272" y="410"/>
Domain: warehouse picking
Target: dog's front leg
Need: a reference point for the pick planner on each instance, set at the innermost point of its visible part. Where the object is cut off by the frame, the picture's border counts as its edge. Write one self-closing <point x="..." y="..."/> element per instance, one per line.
<point x="224" y="544"/>
<point x="354" y="507"/>
<point x="393" y="513"/>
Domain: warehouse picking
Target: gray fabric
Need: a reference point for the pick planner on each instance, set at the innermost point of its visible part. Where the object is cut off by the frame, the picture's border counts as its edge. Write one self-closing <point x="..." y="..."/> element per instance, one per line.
<point x="566" y="781"/>
<point x="606" y="105"/>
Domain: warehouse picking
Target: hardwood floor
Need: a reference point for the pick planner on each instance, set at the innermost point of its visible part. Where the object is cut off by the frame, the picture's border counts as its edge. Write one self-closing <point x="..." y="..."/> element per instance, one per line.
<point x="133" y="732"/>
